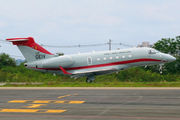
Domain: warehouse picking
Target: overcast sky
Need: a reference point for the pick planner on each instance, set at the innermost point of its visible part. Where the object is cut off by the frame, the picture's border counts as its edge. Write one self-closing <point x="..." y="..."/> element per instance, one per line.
<point x="73" y="22"/>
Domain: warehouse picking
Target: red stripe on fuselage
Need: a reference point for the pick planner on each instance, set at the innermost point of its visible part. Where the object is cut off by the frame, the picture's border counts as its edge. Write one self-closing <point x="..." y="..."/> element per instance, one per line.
<point x="114" y="63"/>
<point x="104" y="65"/>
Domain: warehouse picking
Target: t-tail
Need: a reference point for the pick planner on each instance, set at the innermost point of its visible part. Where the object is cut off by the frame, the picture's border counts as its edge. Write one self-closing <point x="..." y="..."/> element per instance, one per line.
<point x="30" y="49"/>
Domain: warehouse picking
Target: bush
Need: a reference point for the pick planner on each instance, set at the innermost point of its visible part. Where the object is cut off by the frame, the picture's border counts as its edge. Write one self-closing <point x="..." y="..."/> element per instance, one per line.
<point x="138" y="74"/>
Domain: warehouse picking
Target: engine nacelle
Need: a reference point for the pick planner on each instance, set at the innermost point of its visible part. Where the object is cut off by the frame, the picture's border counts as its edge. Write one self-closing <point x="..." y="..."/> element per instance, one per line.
<point x="63" y="61"/>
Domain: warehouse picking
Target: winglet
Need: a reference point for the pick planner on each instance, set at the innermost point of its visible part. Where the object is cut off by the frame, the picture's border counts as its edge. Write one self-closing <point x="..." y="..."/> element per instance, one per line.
<point x="64" y="71"/>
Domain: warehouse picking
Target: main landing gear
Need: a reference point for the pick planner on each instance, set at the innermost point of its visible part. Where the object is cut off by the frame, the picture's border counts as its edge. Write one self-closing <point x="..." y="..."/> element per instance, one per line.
<point x="88" y="80"/>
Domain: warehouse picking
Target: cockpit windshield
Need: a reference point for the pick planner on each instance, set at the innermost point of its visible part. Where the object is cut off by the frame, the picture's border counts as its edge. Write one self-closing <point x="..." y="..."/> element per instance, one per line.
<point x="157" y="51"/>
<point x="153" y="51"/>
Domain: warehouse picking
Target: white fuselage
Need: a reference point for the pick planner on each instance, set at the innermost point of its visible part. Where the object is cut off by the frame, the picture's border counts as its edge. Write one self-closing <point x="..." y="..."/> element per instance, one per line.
<point x="120" y="59"/>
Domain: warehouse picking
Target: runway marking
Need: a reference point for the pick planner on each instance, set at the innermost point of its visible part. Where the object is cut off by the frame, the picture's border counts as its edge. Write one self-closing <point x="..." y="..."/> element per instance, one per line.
<point x="32" y="110"/>
<point x="19" y="110"/>
<point x="17" y="101"/>
<point x="59" y="102"/>
<point x="46" y="101"/>
<point x="55" y="111"/>
<point x="76" y="102"/>
<point x="35" y="105"/>
<point x="67" y="95"/>
<point x="40" y="101"/>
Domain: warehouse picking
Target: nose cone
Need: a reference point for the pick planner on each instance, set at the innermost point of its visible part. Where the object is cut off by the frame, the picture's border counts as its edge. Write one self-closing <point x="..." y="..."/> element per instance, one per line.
<point x="168" y="58"/>
<point x="171" y="58"/>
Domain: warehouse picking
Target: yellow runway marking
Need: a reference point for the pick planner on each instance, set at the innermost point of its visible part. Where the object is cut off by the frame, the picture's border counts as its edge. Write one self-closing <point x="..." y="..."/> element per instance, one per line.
<point x="46" y="101"/>
<point x="19" y="110"/>
<point x="35" y="105"/>
<point x="55" y="111"/>
<point x="40" y="101"/>
<point x="59" y="102"/>
<point x="17" y="101"/>
<point x="67" y="95"/>
<point x="32" y="110"/>
<point x="76" y="102"/>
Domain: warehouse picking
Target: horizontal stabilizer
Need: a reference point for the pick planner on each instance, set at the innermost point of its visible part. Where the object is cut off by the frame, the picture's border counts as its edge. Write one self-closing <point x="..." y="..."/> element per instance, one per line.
<point x="17" y="39"/>
<point x="21" y="41"/>
<point x="30" y="49"/>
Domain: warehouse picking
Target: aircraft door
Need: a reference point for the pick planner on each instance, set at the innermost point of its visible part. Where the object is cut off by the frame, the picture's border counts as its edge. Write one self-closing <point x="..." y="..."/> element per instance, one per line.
<point x="89" y="60"/>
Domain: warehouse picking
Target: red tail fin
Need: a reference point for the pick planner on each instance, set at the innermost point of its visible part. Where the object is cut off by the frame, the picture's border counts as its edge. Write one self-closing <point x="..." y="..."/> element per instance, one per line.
<point x="28" y="42"/>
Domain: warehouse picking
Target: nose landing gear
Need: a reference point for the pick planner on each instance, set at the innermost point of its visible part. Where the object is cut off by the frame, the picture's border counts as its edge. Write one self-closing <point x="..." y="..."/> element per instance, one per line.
<point x="160" y="68"/>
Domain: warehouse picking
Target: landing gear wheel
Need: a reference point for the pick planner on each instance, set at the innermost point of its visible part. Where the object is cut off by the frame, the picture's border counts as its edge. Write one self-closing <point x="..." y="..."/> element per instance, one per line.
<point x="88" y="80"/>
<point x="160" y="69"/>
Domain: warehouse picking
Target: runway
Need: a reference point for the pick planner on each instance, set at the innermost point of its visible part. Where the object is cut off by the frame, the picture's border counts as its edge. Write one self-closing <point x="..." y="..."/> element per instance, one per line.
<point x="89" y="103"/>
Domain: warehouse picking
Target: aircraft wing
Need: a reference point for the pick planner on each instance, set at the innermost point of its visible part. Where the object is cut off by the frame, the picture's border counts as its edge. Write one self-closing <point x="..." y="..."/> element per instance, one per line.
<point x="87" y="72"/>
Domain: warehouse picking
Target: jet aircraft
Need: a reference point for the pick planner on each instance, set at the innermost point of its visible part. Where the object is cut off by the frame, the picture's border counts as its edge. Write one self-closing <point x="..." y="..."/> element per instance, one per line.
<point x="87" y="64"/>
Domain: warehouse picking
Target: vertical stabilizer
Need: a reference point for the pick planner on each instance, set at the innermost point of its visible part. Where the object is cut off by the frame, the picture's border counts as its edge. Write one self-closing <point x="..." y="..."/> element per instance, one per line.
<point x="30" y="49"/>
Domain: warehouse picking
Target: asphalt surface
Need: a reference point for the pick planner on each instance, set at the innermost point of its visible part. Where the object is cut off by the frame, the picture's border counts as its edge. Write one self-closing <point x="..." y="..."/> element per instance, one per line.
<point x="89" y="104"/>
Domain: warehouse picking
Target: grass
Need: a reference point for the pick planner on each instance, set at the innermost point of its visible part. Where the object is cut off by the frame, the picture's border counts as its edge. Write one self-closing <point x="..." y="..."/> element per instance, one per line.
<point x="100" y="84"/>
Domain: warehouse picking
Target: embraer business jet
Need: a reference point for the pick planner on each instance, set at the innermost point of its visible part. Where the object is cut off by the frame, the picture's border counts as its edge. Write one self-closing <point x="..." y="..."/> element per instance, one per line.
<point x="87" y="64"/>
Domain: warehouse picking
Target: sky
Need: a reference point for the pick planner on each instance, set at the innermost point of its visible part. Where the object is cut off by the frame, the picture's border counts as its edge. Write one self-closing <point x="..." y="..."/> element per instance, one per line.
<point x="74" y="22"/>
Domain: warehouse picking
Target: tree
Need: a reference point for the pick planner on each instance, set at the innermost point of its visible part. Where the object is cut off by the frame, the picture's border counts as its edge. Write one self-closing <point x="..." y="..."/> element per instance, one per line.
<point x="60" y="54"/>
<point x="6" y="60"/>
<point x="170" y="46"/>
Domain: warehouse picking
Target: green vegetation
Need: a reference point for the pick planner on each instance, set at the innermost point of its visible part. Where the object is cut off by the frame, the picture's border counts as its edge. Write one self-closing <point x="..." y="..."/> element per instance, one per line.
<point x="100" y="84"/>
<point x="6" y="60"/>
<point x="170" y="46"/>
<point x="133" y="77"/>
<point x="21" y="74"/>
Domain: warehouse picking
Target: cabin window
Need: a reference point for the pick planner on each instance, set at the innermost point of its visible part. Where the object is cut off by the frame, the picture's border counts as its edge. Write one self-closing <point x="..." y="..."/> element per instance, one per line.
<point x="129" y="55"/>
<point x="117" y="57"/>
<point x="98" y="59"/>
<point x="110" y="58"/>
<point x="104" y="58"/>
<point x="123" y="56"/>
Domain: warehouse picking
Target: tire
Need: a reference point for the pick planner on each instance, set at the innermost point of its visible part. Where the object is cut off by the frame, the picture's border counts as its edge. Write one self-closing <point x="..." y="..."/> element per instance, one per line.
<point x="88" y="80"/>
